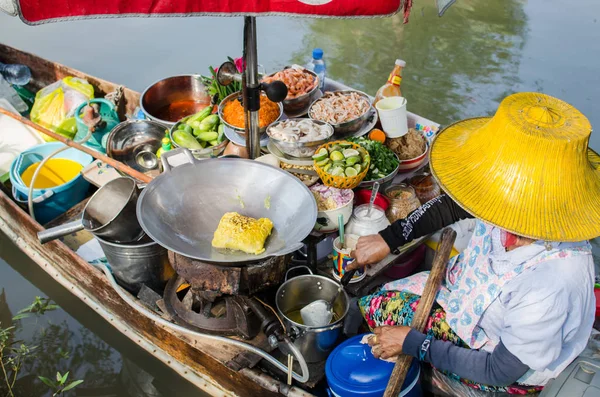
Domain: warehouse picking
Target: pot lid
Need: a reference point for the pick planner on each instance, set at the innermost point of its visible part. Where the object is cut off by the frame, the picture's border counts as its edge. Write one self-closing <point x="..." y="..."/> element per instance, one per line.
<point x="352" y="370"/>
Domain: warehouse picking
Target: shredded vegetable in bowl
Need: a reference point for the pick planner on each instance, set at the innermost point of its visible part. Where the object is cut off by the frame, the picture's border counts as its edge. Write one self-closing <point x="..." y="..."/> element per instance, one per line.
<point x="331" y="198"/>
<point x="339" y="107"/>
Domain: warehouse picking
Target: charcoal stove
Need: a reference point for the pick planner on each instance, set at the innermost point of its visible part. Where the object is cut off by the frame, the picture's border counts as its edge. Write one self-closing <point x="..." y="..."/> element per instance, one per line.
<point x="216" y="299"/>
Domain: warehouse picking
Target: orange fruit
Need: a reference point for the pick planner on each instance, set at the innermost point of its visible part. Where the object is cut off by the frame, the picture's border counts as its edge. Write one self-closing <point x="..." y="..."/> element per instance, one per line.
<point x="377" y="135"/>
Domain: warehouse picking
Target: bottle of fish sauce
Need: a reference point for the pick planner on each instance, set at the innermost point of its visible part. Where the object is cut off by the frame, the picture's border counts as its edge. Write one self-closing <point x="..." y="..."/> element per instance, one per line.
<point x="392" y="86"/>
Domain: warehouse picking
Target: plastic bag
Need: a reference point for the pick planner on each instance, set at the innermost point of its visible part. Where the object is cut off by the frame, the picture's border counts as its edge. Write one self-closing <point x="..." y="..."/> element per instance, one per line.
<point x="55" y="104"/>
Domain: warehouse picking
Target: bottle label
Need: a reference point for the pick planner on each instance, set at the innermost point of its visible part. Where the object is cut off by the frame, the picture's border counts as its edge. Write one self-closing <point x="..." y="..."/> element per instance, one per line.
<point x="395" y="80"/>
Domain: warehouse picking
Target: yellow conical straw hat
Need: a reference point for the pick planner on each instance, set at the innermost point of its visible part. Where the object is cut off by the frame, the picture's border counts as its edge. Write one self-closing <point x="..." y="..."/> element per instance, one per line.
<point x="527" y="170"/>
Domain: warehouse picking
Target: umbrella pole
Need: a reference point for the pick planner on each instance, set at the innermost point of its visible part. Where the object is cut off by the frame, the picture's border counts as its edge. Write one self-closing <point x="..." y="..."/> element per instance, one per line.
<point x="251" y="88"/>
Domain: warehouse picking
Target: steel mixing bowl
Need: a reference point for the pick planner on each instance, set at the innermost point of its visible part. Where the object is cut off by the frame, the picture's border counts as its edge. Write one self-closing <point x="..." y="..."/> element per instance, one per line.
<point x="173" y="98"/>
<point x="350" y="126"/>
<point x="299" y="149"/>
<point x="299" y="106"/>
<point x="242" y="131"/>
<point x="135" y="143"/>
<point x="207" y="152"/>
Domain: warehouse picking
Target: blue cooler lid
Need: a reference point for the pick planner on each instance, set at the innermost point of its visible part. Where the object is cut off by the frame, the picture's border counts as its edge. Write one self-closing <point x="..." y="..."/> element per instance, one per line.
<point x="352" y="370"/>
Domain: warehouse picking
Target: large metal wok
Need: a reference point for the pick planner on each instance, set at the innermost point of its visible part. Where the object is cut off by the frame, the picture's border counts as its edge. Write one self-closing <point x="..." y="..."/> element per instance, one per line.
<point x="181" y="208"/>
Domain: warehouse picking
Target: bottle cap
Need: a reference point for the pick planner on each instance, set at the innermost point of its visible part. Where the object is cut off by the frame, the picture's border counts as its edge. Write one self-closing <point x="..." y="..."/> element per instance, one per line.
<point x="400" y="62"/>
<point x="166" y="143"/>
<point x="317" y="53"/>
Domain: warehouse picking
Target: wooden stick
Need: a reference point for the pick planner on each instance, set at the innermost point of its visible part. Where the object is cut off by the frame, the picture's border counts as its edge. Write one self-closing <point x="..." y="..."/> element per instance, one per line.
<point x="423" y="309"/>
<point x="69" y="142"/>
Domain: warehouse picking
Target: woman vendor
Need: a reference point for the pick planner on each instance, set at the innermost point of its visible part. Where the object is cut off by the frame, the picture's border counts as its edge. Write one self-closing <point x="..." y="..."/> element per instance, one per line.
<point x="517" y="306"/>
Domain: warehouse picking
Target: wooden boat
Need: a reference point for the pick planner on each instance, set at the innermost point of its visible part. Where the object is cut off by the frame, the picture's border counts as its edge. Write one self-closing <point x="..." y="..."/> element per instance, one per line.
<point x="206" y="364"/>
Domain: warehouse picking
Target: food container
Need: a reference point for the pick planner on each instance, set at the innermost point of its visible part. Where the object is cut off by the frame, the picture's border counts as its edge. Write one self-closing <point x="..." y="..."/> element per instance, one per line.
<point x="350" y="126"/>
<point x="299" y="149"/>
<point x="363" y="196"/>
<point x="298" y="106"/>
<point x="173" y="98"/>
<point x="393" y="116"/>
<point x="426" y="187"/>
<point x="135" y="143"/>
<point x="137" y="264"/>
<point x="403" y="201"/>
<point x="362" y="225"/>
<point x="385" y="181"/>
<point x="238" y="130"/>
<point x="414" y="163"/>
<point x="208" y="152"/>
<point x="352" y="371"/>
<point x="51" y="202"/>
<point x="341" y="182"/>
<point x="342" y="258"/>
<point x="315" y="343"/>
<point x="327" y="220"/>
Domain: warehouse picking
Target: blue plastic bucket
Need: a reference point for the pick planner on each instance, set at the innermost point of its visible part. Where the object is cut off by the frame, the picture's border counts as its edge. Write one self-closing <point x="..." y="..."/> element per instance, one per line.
<point x="49" y="203"/>
<point x="353" y="371"/>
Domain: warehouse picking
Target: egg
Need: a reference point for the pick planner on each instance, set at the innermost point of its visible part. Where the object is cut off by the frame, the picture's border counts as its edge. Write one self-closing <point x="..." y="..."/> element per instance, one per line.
<point x="236" y="150"/>
<point x="269" y="159"/>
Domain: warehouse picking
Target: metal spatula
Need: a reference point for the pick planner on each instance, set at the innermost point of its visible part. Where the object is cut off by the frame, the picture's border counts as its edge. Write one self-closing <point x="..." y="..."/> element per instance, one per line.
<point x="320" y="312"/>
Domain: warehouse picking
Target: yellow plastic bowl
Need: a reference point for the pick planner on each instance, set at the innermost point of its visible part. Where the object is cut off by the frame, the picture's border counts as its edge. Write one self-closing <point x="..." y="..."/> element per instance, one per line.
<point x="341" y="182"/>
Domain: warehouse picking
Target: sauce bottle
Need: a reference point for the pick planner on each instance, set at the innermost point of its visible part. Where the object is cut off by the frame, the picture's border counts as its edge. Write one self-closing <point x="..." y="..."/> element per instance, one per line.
<point x="392" y="87"/>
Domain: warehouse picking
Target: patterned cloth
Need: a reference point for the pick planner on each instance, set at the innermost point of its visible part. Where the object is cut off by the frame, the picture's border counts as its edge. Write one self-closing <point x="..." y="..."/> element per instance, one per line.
<point x="398" y="308"/>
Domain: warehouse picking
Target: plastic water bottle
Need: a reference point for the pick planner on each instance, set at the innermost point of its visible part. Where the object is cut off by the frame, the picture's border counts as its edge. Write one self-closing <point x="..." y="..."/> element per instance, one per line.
<point x="317" y="65"/>
<point x="15" y="74"/>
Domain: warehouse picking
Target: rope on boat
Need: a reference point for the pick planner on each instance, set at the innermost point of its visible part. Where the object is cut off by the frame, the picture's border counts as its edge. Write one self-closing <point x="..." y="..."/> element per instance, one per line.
<point x="148" y="313"/>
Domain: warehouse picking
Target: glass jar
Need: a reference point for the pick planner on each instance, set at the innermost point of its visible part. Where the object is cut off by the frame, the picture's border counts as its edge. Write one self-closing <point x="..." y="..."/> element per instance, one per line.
<point x="403" y="201"/>
<point x="426" y="187"/>
<point x="362" y="225"/>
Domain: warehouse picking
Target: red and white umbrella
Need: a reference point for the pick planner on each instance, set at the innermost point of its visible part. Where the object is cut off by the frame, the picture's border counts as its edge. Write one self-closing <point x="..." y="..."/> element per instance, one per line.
<point x="35" y="12"/>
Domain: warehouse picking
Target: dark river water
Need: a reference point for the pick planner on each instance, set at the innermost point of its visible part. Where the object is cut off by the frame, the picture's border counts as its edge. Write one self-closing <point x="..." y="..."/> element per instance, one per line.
<point x="458" y="66"/>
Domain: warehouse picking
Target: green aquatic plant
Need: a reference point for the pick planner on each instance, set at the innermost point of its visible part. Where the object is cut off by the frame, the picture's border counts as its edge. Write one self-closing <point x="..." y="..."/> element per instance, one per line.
<point x="15" y="353"/>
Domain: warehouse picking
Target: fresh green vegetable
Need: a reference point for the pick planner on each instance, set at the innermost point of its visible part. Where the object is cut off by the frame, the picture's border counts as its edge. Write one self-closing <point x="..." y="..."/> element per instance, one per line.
<point x="383" y="160"/>
<point x="213" y="142"/>
<point x="208" y="123"/>
<point x="186" y="140"/>
<point x="342" y="160"/>
<point x="217" y="91"/>
<point x="201" y="115"/>
<point x="188" y="129"/>
<point x="207" y="136"/>
<point x="221" y="133"/>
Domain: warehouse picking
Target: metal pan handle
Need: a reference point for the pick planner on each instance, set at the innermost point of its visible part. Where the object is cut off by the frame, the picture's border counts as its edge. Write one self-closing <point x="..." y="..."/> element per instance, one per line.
<point x="171" y="153"/>
<point x="297" y="267"/>
<point x="59" y="231"/>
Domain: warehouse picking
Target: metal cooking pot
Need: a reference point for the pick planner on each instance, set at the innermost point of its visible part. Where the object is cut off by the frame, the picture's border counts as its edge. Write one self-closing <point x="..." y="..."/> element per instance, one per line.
<point x="110" y="214"/>
<point x="181" y="208"/>
<point x="137" y="264"/>
<point x="315" y="343"/>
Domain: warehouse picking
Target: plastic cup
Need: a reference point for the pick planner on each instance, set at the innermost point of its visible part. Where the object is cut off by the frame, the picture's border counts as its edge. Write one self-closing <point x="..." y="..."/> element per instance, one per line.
<point x="392" y="113"/>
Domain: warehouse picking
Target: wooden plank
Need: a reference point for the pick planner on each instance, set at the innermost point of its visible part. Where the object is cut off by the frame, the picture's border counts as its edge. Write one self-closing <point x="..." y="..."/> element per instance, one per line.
<point x="80" y="273"/>
<point x="421" y="316"/>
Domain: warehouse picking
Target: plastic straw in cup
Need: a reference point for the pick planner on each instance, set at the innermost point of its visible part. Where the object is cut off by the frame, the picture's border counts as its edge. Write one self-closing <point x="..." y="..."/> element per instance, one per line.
<point x="341" y="226"/>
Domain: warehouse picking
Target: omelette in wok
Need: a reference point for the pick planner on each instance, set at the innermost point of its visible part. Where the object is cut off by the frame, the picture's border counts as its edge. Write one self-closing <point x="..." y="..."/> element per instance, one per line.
<point x="239" y="232"/>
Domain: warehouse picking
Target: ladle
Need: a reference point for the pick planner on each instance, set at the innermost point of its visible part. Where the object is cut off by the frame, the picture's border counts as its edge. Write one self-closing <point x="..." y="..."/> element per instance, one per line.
<point x="320" y="312"/>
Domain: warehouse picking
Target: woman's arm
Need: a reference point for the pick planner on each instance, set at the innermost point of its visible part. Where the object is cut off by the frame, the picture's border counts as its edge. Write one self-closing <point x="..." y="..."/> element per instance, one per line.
<point x="498" y="368"/>
<point x="432" y="216"/>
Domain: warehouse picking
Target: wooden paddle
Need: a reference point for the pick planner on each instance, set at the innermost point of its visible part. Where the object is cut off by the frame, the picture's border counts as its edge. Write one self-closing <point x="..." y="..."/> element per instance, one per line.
<point x="423" y="309"/>
<point x="69" y="142"/>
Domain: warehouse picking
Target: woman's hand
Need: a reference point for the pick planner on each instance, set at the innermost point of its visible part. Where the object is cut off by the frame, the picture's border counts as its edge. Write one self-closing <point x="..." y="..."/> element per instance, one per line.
<point x="388" y="340"/>
<point x="369" y="250"/>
